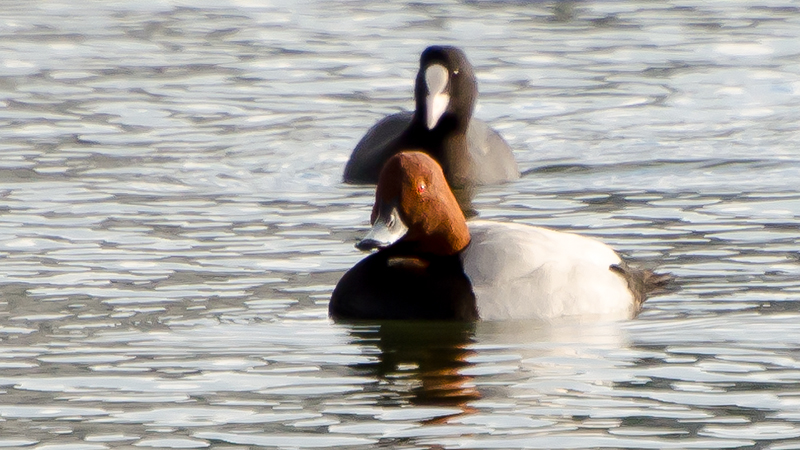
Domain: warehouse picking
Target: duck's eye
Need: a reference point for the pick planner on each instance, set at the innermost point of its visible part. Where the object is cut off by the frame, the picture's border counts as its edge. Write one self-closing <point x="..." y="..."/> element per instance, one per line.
<point x="455" y="71"/>
<point x="421" y="187"/>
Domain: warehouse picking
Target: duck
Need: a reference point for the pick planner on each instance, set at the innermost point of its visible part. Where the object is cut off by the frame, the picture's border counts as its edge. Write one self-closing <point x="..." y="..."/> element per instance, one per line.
<point x="431" y="264"/>
<point x="470" y="152"/>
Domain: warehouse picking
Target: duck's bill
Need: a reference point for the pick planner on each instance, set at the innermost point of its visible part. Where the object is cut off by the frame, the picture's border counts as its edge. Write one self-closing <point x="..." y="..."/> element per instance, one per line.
<point x="437" y="100"/>
<point x="387" y="229"/>
<point x="437" y="105"/>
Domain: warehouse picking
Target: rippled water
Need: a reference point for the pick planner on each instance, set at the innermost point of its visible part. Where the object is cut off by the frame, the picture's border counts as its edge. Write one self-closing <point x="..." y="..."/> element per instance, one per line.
<point x="173" y="223"/>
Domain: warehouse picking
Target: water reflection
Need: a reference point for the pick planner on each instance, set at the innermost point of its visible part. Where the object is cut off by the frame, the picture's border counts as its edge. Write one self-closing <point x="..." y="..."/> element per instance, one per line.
<point x="469" y="367"/>
<point x="420" y="362"/>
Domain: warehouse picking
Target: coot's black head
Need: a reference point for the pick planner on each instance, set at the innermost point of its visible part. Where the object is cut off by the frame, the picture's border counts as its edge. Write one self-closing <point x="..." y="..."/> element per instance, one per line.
<point x="446" y="88"/>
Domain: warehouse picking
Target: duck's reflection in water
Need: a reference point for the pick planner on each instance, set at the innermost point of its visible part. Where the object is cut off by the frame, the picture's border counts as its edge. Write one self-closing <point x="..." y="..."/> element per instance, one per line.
<point x="436" y="363"/>
<point x="420" y="362"/>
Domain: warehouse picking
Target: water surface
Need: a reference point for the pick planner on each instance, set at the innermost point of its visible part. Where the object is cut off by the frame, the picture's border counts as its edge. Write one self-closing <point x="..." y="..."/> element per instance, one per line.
<point x="173" y="224"/>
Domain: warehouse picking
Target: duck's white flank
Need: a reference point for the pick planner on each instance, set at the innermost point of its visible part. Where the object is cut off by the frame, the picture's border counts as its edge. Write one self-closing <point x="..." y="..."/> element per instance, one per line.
<point x="524" y="272"/>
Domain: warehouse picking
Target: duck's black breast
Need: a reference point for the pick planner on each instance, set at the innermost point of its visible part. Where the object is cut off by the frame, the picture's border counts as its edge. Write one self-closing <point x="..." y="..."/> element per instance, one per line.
<point x="390" y="287"/>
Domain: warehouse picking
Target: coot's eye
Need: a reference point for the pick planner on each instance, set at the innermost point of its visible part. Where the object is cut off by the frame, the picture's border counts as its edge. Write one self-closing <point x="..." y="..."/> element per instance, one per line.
<point x="455" y="71"/>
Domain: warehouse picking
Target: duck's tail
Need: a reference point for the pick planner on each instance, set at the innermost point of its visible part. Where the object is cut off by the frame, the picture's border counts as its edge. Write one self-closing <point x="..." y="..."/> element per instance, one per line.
<point x="643" y="283"/>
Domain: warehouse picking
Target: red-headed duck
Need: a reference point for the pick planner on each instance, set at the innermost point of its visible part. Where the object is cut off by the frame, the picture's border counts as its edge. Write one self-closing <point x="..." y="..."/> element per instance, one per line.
<point x="470" y="152"/>
<point x="432" y="264"/>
